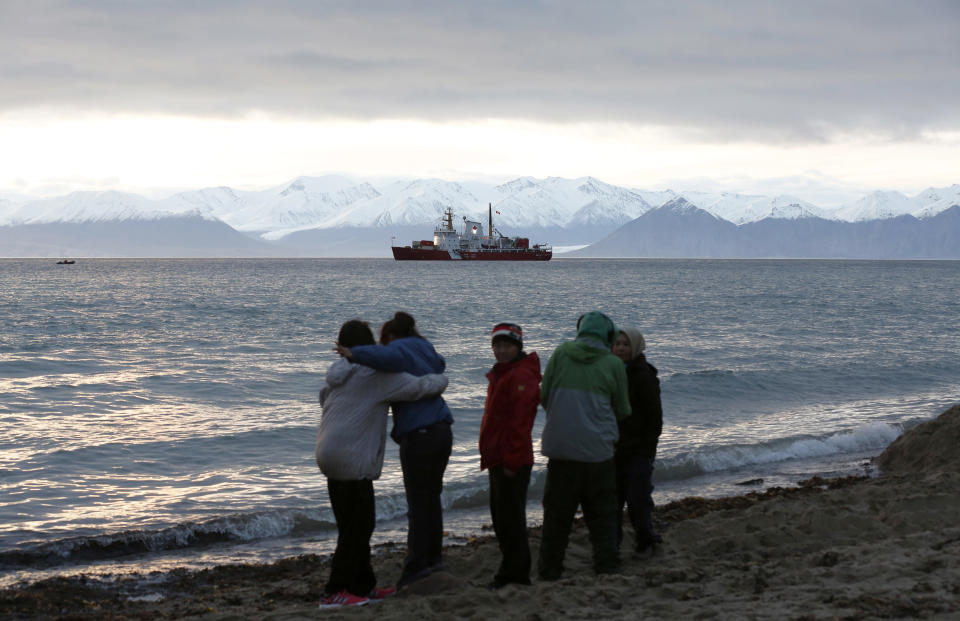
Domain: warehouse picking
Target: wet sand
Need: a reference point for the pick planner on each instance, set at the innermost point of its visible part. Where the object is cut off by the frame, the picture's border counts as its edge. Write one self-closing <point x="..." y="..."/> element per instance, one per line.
<point x="850" y="548"/>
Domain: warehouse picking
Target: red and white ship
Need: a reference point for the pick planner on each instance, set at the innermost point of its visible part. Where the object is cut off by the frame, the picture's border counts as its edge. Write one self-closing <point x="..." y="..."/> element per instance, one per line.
<point x="471" y="244"/>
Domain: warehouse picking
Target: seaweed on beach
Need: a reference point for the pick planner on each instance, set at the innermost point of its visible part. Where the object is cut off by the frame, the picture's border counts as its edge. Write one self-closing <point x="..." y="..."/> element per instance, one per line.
<point x="695" y="506"/>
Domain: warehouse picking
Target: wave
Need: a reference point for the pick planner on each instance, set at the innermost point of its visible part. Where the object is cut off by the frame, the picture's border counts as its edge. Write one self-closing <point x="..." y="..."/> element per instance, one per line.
<point x="847" y="380"/>
<point x="869" y="437"/>
<point x="235" y="528"/>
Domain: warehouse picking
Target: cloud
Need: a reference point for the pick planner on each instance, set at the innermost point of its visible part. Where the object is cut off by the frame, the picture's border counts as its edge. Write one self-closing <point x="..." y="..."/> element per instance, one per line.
<point x="777" y="72"/>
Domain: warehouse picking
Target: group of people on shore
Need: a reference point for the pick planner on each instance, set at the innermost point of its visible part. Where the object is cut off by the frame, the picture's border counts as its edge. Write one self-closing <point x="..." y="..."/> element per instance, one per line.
<point x="603" y="421"/>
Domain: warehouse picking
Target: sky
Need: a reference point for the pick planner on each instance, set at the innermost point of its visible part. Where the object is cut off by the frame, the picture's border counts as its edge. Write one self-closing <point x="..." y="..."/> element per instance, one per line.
<point x="821" y="99"/>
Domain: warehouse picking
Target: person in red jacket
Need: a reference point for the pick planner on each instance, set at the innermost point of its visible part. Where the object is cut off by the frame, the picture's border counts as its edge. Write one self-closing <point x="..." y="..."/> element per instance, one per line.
<point x="506" y="448"/>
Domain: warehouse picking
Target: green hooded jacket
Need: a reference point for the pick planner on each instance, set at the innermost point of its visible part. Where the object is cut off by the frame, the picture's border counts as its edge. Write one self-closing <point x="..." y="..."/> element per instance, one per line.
<point x="584" y="392"/>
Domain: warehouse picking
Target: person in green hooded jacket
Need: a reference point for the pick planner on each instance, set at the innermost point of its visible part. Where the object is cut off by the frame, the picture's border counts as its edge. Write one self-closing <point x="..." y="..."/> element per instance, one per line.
<point x="584" y="392"/>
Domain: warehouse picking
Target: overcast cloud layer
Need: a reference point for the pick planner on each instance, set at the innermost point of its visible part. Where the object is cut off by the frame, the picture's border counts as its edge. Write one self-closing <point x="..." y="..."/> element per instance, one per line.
<point x="778" y="71"/>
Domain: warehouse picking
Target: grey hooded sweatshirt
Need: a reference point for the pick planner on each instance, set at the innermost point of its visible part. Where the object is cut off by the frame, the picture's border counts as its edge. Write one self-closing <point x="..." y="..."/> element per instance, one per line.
<point x="353" y="428"/>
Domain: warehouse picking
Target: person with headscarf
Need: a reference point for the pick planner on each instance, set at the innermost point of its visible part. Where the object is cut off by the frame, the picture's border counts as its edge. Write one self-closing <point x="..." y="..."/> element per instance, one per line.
<point x="584" y="393"/>
<point x="637" y="447"/>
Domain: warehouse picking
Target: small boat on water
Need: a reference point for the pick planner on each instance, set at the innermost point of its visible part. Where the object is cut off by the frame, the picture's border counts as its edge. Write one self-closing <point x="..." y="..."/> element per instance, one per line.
<point x="471" y="245"/>
<point x="66" y="262"/>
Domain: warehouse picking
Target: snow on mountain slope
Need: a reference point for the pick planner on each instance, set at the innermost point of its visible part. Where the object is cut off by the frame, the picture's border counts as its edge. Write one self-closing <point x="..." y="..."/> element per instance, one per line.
<point x="932" y="201"/>
<point x="7" y="207"/>
<point x="212" y="201"/>
<point x="878" y="205"/>
<point x="521" y="204"/>
<point x="792" y="208"/>
<point x="610" y="204"/>
<point x="566" y="202"/>
<point x="305" y="202"/>
<point x="418" y="202"/>
<point x="98" y="207"/>
<point x="681" y="206"/>
<point x="531" y="202"/>
<point x="736" y="208"/>
<point x="656" y="198"/>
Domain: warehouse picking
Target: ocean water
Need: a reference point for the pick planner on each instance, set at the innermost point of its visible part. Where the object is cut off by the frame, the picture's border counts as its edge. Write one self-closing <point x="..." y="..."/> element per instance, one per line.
<point x="162" y="413"/>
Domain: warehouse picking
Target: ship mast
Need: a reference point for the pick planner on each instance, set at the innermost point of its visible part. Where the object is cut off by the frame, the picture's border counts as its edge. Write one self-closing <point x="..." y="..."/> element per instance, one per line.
<point x="490" y="220"/>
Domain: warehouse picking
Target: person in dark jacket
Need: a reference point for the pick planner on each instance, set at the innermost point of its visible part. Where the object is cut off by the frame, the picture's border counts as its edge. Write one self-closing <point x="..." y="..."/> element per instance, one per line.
<point x="637" y="446"/>
<point x="422" y="429"/>
<point x="506" y="448"/>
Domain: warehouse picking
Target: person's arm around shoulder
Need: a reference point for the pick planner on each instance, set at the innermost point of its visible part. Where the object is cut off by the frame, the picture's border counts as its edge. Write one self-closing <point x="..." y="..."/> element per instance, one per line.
<point x="406" y="387"/>
<point x="390" y="358"/>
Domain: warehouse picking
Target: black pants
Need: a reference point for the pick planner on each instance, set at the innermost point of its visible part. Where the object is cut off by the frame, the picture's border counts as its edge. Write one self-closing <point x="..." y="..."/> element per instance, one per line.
<point x="355" y="512"/>
<point x="592" y="486"/>
<point x="508" y="509"/>
<point x="423" y="458"/>
<point x="635" y="489"/>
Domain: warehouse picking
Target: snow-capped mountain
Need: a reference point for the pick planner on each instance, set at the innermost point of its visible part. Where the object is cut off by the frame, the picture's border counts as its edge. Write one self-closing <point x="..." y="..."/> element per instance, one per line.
<point x="106" y="206"/>
<point x="7" y="207"/>
<point x="655" y="197"/>
<point x="214" y="202"/>
<point x="303" y="203"/>
<point x="932" y="201"/>
<point x="791" y="208"/>
<point x="566" y="202"/>
<point x="422" y="201"/>
<point x="611" y="204"/>
<point x="878" y="205"/>
<point x="743" y="208"/>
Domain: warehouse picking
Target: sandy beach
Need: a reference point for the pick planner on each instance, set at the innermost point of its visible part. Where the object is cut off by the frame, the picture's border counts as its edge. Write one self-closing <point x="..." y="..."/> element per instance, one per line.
<point x="853" y="548"/>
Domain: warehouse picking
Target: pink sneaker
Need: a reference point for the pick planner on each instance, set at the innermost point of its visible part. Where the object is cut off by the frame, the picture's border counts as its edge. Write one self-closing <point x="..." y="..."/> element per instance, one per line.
<point x="343" y="598"/>
<point x="377" y="593"/>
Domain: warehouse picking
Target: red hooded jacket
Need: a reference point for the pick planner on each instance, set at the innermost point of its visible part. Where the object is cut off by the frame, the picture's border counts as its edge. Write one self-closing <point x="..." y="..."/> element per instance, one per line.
<point x="512" y="399"/>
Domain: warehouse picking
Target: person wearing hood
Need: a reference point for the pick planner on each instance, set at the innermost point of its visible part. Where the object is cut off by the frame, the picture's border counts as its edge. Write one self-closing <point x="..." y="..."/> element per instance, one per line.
<point x="506" y="449"/>
<point x="350" y="449"/>
<point x="637" y="447"/>
<point x="584" y="393"/>
<point x="422" y="429"/>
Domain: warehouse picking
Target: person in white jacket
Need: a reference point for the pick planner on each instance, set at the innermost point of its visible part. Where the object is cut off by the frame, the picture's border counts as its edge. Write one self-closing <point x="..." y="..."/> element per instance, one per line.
<point x="350" y="447"/>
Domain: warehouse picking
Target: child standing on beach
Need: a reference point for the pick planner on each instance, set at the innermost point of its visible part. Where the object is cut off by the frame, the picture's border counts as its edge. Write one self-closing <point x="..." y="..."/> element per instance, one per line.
<point x="506" y="448"/>
<point x="350" y="447"/>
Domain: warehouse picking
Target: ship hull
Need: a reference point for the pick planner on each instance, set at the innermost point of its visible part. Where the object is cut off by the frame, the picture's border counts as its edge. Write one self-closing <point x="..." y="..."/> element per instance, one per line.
<point x="407" y="253"/>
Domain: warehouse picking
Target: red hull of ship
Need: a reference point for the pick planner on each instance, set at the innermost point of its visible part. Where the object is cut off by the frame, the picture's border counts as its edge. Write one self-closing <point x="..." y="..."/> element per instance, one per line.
<point x="406" y="253"/>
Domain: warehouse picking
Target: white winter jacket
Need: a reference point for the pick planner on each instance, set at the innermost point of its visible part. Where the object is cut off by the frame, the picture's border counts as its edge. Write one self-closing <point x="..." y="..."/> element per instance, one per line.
<point x="353" y="428"/>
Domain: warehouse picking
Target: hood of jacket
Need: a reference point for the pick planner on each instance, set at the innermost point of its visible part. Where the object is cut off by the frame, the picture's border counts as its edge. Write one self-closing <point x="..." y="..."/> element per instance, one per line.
<point x="339" y="372"/>
<point x="637" y="344"/>
<point x="597" y="326"/>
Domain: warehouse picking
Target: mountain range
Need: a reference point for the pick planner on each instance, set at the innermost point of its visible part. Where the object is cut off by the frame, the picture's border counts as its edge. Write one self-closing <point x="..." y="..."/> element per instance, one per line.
<point x="337" y="216"/>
